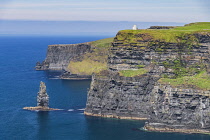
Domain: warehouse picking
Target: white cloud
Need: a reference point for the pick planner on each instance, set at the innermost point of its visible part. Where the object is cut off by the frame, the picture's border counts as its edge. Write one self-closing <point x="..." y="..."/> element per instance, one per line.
<point x="99" y="16"/>
<point x="96" y="11"/>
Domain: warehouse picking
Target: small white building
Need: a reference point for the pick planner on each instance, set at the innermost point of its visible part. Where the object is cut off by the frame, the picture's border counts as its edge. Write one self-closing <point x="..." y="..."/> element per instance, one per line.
<point x="135" y="27"/>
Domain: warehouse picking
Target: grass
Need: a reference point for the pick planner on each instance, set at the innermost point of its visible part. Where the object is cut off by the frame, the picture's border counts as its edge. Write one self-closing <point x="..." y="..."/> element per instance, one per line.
<point x="94" y="61"/>
<point x="103" y="42"/>
<point x="200" y="81"/>
<point x="86" y="67"/>
<point x="132" y="73"/>
<point x="170" y="35"/>
<point x="199" y="26"/>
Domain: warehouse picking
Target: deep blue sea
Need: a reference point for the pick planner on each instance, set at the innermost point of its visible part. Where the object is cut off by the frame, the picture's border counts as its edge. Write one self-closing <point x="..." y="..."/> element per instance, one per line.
<point x="19" y="84"/>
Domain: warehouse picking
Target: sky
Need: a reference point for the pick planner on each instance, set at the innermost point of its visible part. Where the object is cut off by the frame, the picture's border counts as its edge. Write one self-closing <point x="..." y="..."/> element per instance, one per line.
<point x="106" y="10"/>
<point x="38" y="16"/>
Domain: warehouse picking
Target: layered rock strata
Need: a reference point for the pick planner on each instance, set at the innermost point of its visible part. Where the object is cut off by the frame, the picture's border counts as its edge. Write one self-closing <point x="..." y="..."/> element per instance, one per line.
<point x="115" y="96"/>
<point x="178" y="109"/>
<point x="162" y="27"/>
<point x="42" y="97"/>
<point x="168" y="108"/>
<point x="59" y="56"/>
<point x="68" y="75"/>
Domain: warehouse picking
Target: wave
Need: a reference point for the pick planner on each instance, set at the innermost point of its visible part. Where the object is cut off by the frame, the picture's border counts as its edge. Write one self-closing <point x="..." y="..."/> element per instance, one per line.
<point x="71" y="110"/>
<point x="82" y="109"/>
<point x="54" y="78"/>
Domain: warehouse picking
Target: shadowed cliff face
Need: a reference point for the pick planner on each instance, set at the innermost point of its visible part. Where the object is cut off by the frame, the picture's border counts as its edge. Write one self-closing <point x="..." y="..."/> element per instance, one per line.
<point x="179" y="108"/>
<point x="132" y="86"/>
<point x="112" y="95"/>
<point x="59" y="56"/>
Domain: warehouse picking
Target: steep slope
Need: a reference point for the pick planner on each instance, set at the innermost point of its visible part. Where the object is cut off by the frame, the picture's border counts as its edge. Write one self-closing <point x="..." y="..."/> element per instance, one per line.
<point x="58" y="56"/>
<point x="140" y="83"/>
<point x="93" y="61"/>
<point x="78" y="60"/>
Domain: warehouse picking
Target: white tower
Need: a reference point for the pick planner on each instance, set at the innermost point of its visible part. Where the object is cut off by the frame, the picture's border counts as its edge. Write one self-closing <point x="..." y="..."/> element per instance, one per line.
<point x="135" y="27"/>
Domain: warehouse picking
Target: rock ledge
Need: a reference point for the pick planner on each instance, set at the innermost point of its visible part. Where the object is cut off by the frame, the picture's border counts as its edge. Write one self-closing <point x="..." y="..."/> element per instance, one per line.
<point x="40" y="108"/>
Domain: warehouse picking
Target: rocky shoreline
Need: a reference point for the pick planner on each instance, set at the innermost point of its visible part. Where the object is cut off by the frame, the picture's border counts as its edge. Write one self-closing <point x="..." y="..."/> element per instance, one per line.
<point x="174" y="130"/>
<point x="59" y="56"/>
<point x="159" y="74"/>
<point x="40" y="108"/>
<point x="134" y="87"/>
<point x="114" y="116"/>
<point x="67" y="75"/>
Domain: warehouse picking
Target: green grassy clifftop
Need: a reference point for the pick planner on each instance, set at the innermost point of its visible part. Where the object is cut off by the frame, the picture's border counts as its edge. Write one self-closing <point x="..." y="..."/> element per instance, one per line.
<point x="187" y="47"/>
<point x="94" y="61"/>
<point x="173" y="35"/>
<point x="185" y="38"/>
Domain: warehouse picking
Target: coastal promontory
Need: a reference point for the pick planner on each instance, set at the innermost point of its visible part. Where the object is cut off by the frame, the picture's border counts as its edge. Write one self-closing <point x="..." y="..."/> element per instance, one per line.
<point x="160" y="74"/>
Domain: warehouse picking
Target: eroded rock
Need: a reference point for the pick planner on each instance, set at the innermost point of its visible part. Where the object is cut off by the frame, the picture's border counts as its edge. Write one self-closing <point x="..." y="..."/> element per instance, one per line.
<point x="42" y="97"/>
<point x="42" y="100"/>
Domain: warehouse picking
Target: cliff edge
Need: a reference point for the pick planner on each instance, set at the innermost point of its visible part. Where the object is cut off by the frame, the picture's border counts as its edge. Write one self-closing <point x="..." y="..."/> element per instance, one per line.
<point x="59" y="56"/>
<point x="161" y="75"/>
<point x="78" y="61"/>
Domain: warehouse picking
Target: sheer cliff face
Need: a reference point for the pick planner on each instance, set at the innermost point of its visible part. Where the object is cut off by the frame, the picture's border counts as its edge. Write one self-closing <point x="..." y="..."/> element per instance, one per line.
<point x="111" y="95"/>
<point x="114" y="94"/>
<point x="179" y="108"/>
<point x="59" y="56"/>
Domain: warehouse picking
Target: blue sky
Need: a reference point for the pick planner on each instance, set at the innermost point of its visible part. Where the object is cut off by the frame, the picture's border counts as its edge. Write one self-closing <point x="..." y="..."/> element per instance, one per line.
<point x="182" y="11"/>
<point x="64" y="17"/>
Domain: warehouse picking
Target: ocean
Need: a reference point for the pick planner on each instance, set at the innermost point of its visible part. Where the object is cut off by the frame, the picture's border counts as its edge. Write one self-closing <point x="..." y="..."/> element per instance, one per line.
<point x="19" y="84"/>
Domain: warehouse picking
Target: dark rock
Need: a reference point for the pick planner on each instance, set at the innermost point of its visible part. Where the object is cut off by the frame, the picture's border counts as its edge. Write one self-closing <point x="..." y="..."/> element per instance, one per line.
<point x="59" y="56"/>
<point x="166" y="107"/>
<point x="42" y="97"/>
<point x="203" y="38"/>
<point x="162" y="27"/>
<point x="68" y="75"/>
<point x="191" y="112"/>
<point x="42" y="100"/>
<point x="121" y="97"/>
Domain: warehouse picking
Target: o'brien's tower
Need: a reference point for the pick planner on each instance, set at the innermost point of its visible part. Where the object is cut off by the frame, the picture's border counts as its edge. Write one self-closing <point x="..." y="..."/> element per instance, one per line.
<point x="135" y="27"/>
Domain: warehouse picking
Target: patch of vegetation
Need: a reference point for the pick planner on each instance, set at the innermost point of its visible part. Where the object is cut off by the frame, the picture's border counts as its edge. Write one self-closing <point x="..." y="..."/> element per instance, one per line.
<point x="103" y="42"/>
<point x="94" y="61"/>
<point x="174" y="35"/>
<point x="132" y="73"/>
<point x="200" y="81"/>
<point x="180" y="68"/>
<point x="198" y="26"/>
<point x="86" y="67"/>
<point x="140" y="66"/>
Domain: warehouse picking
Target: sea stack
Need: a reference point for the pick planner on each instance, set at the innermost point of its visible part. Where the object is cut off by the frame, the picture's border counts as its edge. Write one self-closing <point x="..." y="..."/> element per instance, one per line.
<point x="42" y="100"/>
<point x="42" y="97"/>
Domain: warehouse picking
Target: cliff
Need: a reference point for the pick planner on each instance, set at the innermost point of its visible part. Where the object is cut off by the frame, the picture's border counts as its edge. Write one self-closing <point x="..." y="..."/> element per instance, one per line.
<point x="59" y="56"/>
<point x="115" y="96"/>
<point x="157" y="74"/>
<point x="179" y="110"/>
<point x="78" y="61"/>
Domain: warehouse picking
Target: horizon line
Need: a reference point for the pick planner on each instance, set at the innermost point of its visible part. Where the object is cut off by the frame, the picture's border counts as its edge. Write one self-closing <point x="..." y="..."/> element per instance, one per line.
<point x="95" y="21"/>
